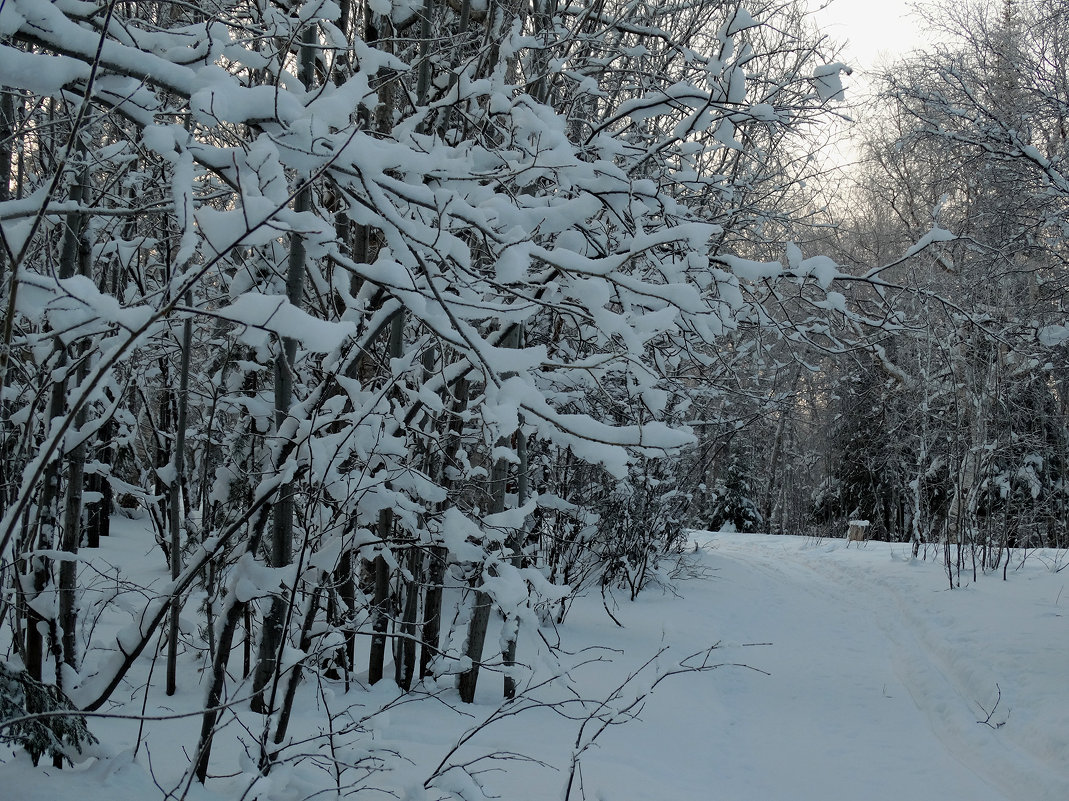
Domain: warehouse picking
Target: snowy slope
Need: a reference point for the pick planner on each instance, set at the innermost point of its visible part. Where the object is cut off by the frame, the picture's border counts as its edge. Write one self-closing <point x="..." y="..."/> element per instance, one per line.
<point x="847" y="674"/>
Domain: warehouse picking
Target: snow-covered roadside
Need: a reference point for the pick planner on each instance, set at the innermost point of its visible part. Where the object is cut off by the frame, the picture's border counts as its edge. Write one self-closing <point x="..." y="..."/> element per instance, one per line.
<point x="870" y="686"/>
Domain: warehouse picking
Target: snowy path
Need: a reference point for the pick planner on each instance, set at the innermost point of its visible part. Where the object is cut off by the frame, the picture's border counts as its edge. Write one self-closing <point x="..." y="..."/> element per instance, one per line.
<point x="877" y="676"/>
<point x="869" y="688"/>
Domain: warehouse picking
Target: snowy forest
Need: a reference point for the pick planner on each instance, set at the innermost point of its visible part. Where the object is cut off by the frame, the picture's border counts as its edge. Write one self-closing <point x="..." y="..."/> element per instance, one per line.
<point x="349" y="342"/>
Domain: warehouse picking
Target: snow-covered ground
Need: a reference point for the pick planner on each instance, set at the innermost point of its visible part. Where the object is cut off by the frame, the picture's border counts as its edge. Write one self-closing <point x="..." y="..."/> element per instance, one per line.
<point x="846" y="674"/>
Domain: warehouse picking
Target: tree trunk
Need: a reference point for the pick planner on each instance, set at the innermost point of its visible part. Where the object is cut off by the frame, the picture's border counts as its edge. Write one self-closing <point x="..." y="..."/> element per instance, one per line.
<point x="295" y="673"/>
<point x="175" y="501"/>
<point x="72" y="514"/>
<point x="234" y="614"/>
<point x="380" y="604"/>
<point x="98" y="511"/>
<point x="515" y="545"/>
<point x="432" y="610"/>
<point x="405" y="651"/>
<point x="272" y="637"/>
<point x="515" y="541"/>
<point x="381" y="607"/>
<point x="439" y="555"/>
<point x="480" y="615"/>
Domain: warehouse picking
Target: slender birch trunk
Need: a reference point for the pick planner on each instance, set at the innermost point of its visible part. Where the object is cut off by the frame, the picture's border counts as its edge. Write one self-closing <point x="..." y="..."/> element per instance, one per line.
<point x="480" y="616"/>
<point x="515" y="546"/>
<point x="439" y="554"/>
<point x="273" y="635"/>
<point x="233" y="615"/>
<point x="381" y="606"/>
<point x="175" y="501"/>
<point x="72" y="512"/>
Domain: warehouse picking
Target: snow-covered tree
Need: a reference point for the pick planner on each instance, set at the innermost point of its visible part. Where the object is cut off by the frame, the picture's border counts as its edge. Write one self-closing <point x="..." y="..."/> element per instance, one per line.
<point x="966" y="138"/>
<point x="334" y="295"/>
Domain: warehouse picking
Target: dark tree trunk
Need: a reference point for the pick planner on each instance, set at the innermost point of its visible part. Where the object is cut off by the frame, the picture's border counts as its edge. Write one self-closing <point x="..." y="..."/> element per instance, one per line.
<point x="175" y="501"/>
<point x="273" y="633"/>
<point x="439" y="555"/>
<point x="405" y="652"/>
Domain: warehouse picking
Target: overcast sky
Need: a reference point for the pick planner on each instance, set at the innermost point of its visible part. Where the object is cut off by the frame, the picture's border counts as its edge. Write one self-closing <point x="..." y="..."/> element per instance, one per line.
<point x="877" y="30"/>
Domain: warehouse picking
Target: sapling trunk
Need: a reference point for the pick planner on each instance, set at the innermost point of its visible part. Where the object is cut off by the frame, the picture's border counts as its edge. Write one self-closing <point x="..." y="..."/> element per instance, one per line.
<point x="273" y="634"/>
<point x="439" y="555"/>
<point x="480" y="615"/>
<point x="175" y="500"/>
<point x="234" y="614"/>
<point x="295" y="673"/>
<point x="380" y="618"/>
<point x="405" y="652"/>
<point x="381" y="598"/>
<point x="515" y="545"/>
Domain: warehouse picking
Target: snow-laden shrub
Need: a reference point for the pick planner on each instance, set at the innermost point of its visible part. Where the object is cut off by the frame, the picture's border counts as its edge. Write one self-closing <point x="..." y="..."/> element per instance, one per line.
<point x="21" y="699"/>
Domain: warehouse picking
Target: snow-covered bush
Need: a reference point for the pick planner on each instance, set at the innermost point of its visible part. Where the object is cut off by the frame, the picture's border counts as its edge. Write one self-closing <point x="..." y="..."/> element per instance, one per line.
<point x="39" y="718"/>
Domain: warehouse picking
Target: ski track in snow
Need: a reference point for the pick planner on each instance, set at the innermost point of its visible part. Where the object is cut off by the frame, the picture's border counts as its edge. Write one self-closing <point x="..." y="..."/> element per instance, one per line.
<point x="868" y="646"/>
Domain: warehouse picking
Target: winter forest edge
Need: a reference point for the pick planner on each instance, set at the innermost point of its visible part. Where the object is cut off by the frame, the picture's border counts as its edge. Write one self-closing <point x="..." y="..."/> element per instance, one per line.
<point x="383" y="331"/>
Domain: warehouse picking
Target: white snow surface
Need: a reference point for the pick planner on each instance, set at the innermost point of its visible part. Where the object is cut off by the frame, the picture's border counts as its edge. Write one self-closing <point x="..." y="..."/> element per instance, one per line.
<point x="848" y="673"/>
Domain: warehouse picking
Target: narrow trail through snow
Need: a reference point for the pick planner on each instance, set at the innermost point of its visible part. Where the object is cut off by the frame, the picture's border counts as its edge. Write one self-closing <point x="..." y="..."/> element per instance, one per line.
<point x="878" y="680"/>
